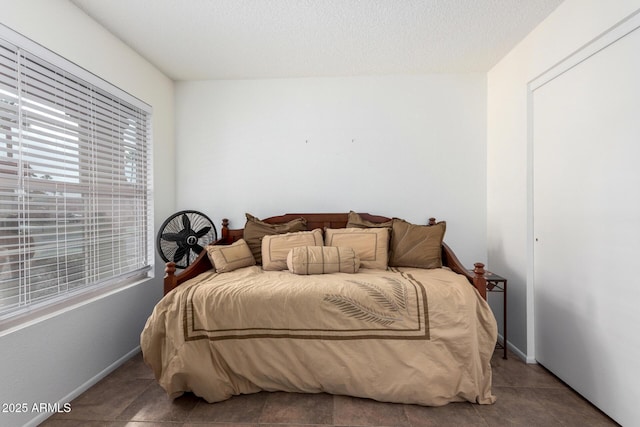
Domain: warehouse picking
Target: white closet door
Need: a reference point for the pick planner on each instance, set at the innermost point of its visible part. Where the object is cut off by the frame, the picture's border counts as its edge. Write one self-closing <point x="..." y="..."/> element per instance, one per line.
<point x="586" y="216"/>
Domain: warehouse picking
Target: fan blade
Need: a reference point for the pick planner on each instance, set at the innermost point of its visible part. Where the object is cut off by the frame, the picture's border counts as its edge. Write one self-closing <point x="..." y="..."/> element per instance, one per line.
<point x="186" y="222"/>
<point x="172" y="237"/>
<point x="180" y="253"/>
<point x="197" y="248"/>
<point x="202" y="232"/>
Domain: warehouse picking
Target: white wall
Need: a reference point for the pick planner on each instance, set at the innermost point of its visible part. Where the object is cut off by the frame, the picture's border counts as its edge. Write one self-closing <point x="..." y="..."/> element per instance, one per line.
<point x="404" y="146"/>
<point x="57" y="358"/>
<point x="509" y="215"/>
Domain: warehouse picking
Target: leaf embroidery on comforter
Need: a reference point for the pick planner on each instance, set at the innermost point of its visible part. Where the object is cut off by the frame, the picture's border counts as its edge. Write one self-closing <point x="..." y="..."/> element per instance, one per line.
<point x="392" y="305"/>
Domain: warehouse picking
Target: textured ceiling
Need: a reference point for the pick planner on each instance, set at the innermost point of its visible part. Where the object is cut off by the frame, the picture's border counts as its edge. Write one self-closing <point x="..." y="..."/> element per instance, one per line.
<point x="238" y="39"/>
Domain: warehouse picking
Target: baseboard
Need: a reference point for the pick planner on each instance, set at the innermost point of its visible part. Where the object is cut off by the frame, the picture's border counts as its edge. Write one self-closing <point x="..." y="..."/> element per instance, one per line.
<point x="521" y="355"/>
<point x="515" y="350"/>
<point x="84" y="387"/>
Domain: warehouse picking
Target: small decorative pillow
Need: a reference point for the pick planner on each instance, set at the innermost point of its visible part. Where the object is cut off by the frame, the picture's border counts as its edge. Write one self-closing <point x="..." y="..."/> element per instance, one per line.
<point x="276" y="248"/>
<point x="227" y="258"/>
<point x="371" y="245"/>
<point x="322" y="260"/>
<point x="354" y="220"/>
<point x="255" y="230"/>
<point x="416" y="245"/>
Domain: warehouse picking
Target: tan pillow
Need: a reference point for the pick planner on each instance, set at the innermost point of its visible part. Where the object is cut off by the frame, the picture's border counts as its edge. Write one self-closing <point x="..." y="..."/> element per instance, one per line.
<point x="416" y="245"/>
<point x="354" y="220"/>
<point x="227" y="258"/>
<point x="255" y="230"/>
<point x="322" y="260"/>
<point x="370" y="244"/>
<point x="275" y="248"/>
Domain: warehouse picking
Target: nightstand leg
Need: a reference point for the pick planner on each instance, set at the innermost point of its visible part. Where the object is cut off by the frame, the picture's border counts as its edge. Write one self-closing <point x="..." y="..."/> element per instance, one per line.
<point x="504" y="322"/>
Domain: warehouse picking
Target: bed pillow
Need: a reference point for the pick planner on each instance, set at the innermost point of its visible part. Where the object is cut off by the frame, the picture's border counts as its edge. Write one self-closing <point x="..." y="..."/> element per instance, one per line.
<point x="354" y="220"/>
<point x="255" y="230"/>
<point x="227" y="258"/>
<point x="371" y="245"/>
<point x="322" y="260"/>
<point x="416" y="245"/>
<point x="275" y="248"/>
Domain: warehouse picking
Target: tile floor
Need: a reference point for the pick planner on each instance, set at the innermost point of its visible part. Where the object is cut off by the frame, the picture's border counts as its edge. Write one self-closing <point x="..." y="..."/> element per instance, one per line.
<point x="527" y="395"/>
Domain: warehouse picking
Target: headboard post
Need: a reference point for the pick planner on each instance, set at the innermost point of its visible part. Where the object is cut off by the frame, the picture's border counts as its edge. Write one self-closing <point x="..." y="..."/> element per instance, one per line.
<point x="225" y="230"/>
<point x="479" y="281"/>
<point x="170" y="279"/>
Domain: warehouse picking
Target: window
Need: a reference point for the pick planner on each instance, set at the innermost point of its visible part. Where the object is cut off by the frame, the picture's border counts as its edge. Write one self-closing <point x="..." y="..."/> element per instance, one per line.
<point x="75" y="181"/>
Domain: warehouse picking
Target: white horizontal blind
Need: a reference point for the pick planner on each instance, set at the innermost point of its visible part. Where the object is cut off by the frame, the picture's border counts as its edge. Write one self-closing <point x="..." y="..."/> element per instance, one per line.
<point x="75" y="184"/>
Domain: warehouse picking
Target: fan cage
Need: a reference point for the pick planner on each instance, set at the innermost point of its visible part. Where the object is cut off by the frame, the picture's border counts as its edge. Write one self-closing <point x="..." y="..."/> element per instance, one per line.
<point x="183" y="236"/>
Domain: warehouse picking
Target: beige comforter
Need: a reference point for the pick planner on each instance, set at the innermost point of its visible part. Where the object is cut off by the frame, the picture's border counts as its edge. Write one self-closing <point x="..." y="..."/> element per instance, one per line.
<point x="403" y="335"/>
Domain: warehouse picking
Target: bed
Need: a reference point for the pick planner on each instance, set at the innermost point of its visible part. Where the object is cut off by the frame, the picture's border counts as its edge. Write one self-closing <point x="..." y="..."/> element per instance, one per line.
<point x="346" y="303"/>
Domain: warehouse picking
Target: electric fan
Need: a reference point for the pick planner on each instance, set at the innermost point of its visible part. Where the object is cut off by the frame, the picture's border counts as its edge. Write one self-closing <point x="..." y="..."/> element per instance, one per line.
<point x="183" y="236"/>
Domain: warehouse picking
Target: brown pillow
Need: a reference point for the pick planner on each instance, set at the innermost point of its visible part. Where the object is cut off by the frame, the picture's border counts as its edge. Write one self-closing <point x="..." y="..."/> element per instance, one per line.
<point x="275" y="248"/>
<point x="255" y="230"/>
<point x="322" y="260"/>
<point x="370" y="244"/>
<point x="354" y="220"/>
<point x="416" y="245"/>
<point x="227" y="258"/>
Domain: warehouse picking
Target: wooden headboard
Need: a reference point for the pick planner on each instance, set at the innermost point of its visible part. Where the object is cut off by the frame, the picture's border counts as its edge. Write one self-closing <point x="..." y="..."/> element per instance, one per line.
<point x="316" y="220"/>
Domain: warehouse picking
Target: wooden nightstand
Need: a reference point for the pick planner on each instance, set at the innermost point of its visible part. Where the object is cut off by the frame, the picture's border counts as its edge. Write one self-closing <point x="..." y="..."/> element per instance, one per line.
<point x="497" y="283"/>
